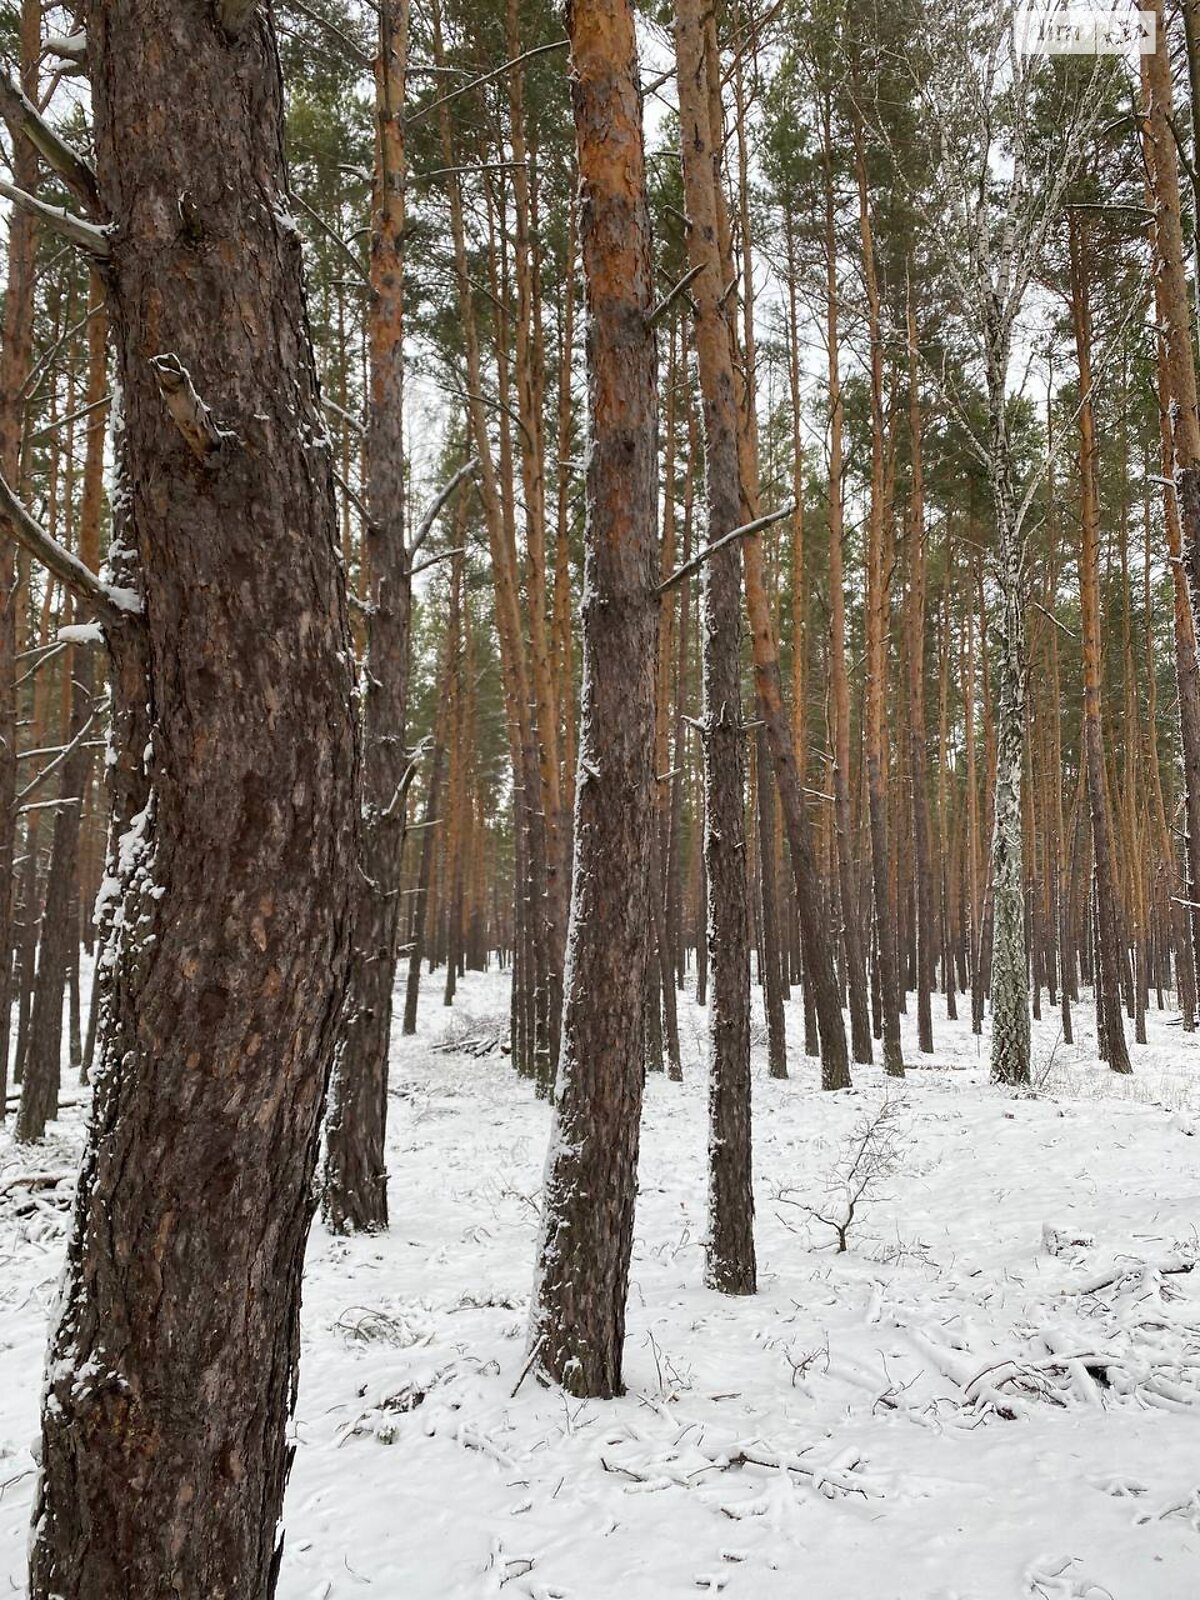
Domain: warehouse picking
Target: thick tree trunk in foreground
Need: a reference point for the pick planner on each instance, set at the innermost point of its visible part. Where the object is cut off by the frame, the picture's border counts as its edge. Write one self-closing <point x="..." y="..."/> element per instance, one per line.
<point x="355" y="1194"/>
<point x="730" y="1245"/>
<point x="173" y="1363"/>
<point x="578" y="1313"/>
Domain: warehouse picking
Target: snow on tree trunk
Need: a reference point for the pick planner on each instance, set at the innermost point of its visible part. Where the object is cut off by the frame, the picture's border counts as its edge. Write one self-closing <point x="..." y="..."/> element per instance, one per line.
<point x="578" y="1314"/>
<point x="1010" y="978"/>
<point x="172" y="1365"/>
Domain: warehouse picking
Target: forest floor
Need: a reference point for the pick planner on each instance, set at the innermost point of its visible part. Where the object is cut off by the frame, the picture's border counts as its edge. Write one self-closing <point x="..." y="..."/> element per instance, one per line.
<point x="993" y="1393"/>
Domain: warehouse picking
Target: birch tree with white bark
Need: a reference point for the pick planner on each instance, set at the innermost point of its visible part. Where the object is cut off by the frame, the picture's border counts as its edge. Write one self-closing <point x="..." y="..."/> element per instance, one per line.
<point x="1006" y="132"/>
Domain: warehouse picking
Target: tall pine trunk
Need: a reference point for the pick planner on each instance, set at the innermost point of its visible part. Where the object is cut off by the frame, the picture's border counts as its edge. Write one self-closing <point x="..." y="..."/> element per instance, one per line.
<point x="1107" y="952"/>
<point x="730" y="1245"/>
<point x="839" y="683"/>
<point x="877" y="606"/>
<point x="16" y="354"/>
<point x="355" y="1195"/>
<point x="578" y="1314"/>
<point x="173" y="1361"/>
<point x="927" y="941"/>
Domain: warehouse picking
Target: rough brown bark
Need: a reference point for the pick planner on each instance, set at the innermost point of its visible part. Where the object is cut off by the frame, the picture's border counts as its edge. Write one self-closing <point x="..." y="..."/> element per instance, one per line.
<point x="877" y="609"/>
<point x="422" y="910"/>
<point x="856" y="976"/>
<point x="1107" y="935"/>
<point x="173" y="1362"/>
<point x="355" y="1192"/>
<point x="730" y="1244"/>
<point x="578" y="1314"/>
<point x="15" y="360"/>
<point x="922" y="848"/>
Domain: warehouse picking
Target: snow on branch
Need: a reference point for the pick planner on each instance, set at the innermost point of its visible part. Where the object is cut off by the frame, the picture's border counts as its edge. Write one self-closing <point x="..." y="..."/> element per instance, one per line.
<point x="68" y="47"/>
<point x="710" y="550"/>
<point x="439" y="501"/>
<point x="75" y="230"/>
<point x="23" y="118"/>
<point x="111" y="603"/>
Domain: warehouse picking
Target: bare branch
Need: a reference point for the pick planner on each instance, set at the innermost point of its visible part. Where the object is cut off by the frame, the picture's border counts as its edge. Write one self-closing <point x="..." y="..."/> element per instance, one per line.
<point x="710" y="550"/>
<point x="669" y="299"/>
<point x="355" y="51"/>
<point x="439" y="501"/>
<point x="432" y="561"/>
<point x="75" y="230"/>
<point x="334" y="237"/>
<point x="23" y="118"/>
<point x="51" y="767"/>
<point x="112" y="604"/>
<point x="488" y="77"/>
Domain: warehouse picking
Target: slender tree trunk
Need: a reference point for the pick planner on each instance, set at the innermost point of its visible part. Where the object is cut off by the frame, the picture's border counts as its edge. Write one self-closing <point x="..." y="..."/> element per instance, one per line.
<point x="1009" y="970"/>
<point x="772" y="954"/>
<point x="514" y="664"/>
<point x="532" y="452"/>
<point x="730" y="1245"/>
<point x="877" y="606"/>
<point x="856" y="977"/>
<point x="578" y="1311"/>
<point x="1107" y="976"/>
<point x="15" y="361"/>
<point x="355" y="1195"/>
<point x="1178" y="397"/>
<point x="422" y="900"/>
<point x="923" y="865"/>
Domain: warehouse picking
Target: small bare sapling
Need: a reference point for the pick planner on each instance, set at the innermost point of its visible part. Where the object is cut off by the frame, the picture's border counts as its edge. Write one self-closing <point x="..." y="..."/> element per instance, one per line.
<point x="868" y="1158"/>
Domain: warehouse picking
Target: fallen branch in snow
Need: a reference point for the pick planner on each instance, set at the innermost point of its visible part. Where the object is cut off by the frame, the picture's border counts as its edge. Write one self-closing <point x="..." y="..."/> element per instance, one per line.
<point x="827" y="1479"/>
<point x="483" y="1044"/>
<point x="63" y="1105"/>
<point x="836" y="1477"/>
<point x="35" y="1180"/>
<point x="1109" y="1276"/>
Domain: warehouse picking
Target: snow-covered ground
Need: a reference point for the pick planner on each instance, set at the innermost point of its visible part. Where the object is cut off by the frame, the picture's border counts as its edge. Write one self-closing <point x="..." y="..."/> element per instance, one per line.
<point x="993" y="1393"/>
